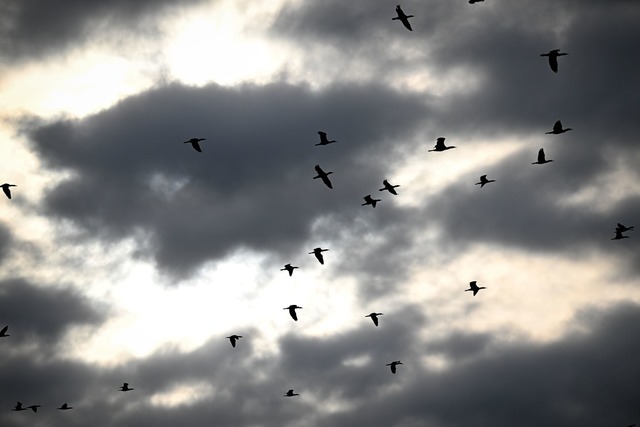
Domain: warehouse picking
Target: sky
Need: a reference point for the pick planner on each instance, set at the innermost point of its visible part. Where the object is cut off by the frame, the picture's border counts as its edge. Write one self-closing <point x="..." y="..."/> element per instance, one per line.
<point x="127" y="256"/>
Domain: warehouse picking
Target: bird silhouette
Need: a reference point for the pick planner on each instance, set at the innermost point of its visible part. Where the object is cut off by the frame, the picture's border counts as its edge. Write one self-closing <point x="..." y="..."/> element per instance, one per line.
<point x="289" y="268"/>
<point x="474" y="1"/>
<point x="484" y="180"/>
<point x="324" y="140"/>
<point x="374" y="317"/>
<point x="475" y="288"/>
<point x="195" y="143"/>
<point x="403" y="18"/>
<point x="19" y="407"/>
<point x="553" y="58"/>
<point x="125" y="387"/>
<point x="440" y="145"/>
<point x="619" y="235"/>
<point x="393" y="365"/>
<point x="318" y="253"/>
<point x="541" y="158"/>
<point x="368" y="200"/>
<point x="5" y="188"/>
<point x="557" y="129"/>
<point x="3" y="332"/>
<point x="620" y="227"/>
<point x="34" y="408"/>
<point x="388" y="187"/>
<point x="292" y="311"/>
<point x="233" y="339"/>
<point x="324" y="176"/>
<point x="65" y="407"/>
<point x="290" y="393"/>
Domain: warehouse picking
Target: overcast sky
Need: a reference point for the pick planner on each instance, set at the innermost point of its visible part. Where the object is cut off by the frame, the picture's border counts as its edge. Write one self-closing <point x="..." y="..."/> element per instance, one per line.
<point x="127" y="256"/>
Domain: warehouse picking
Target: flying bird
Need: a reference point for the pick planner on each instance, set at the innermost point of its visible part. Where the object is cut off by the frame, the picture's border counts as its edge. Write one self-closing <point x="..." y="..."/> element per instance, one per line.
<point x="19" y="407"/>
<point x="195" y="143"/>
<point x="289" y="268"/>
<point x="3" y="332"/>
<point x="324" y="176"/>
<point x="393" y="365"/>
<point x="541" y="158"/>
<point x="64" y="407"/>
<point x="403" y="18"/>
<point x="388" y="187"/>
<point x="475" y="288"/>
<point x="292" y="311"/>
<point x="233" y="339"/>
<point x="5" y="188"/>
<point x="440" y="145"/>
<point x="557" y="129"/>
<point x="619" y="235"/>
<point x="324" y="140"/>
<point x="318" y="253"/>
<point x="620" y="227"/>
<point x="125" y="387"/>
<point x="290" y="393"/>
<point x="34" y="408"/>
<point x="474" y="1"/>
<point x="484" y="180"/>
<point x="368" y="200"/>
<point x="374" y="317"/>
<point x="553" y="58"/>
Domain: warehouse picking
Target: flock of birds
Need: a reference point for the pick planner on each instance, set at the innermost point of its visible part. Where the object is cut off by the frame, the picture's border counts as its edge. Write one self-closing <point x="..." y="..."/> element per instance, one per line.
<point x="368" y="201"/>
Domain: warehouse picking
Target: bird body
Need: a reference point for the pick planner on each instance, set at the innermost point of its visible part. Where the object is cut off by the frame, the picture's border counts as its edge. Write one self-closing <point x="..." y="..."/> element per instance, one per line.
<point x="233" y="339"/>
<point x="289" y="268"/>
<point x="553" y="58"/>
<point x="619" y="235"/>
<point x="3" y="332"/>
<point x="65" y="407"/>
<point x="318" y="253"/>
<point x="292" y="311"/>
<point x="374" y="317"/>
<point x="484" y="180"/>
<point x="324" y="140"/>
<point x="404" y="18"/>
<point x="557" y="129"/>
<point x="324" y="176"/>
<point x="388" y="187"/>
<point x="440" y="145"/>
<point x="125" y="387"/>
<point x="195" y="143"/>
<point x="5" y="188"/>
<point x="393" y="365"/>
<point x="474" y="287"/>
<point x="368" y="200"/>
<point x="290" y="393"/>
<point x="541" y="158"/>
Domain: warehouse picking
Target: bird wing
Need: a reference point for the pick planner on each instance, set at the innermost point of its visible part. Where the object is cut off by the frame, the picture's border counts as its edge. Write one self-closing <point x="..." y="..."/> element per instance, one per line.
<point x="375" y="319"/>
<point x="7" y="191"/>
<point x="327" y="181"/>
<point x="294" y="315"/>
<point x="393" y="368"/>
<point x="553" y="63"/>
<point x="320" y="257"/>
<point x="4" y="330"/>
<point x="196" y="145"/>
<point x="541" y="158"/>
<point x="557" y="127"/>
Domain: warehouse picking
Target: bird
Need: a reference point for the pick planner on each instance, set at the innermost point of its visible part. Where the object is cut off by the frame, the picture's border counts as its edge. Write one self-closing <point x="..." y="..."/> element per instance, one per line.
<point x="557" y="129"/>
<point x="34" y="408"/>
<point x="393" y="365"/>
<point x="374" y="317"/>
<point x="5" y="188"/>
<point x="195" y="143"/>
<point x="474" y="1"/>
<point x="440" y="145"/>
<point x="318" y="253"/>
<point x="324" y="176"/>
<point x="3" y="332"/>
<point x="290" y="393"/>
<point x="324" y="140"/>
<point x="19" y="407"/>
<point x="484" y="180"/>
<point x="64" y="407"/>
<point x="388" y="187"/>
<point x="368" y="200"/>
<point x="475" y="288"/>
<point x="541" y="158"/>
<point x="292" y="311"/>
<point x="125" y="387"/>
<point x="233" y="339"/>
<point x="289" y="268"/>
<point x="619" y="235"/>
<point x="620" y="227"/>
<point x="553" y="58"/>
<point x="403" y="18"/>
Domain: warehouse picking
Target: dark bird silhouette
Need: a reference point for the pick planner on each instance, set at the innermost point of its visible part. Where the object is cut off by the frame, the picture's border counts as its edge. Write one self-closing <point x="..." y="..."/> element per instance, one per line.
<point x="374" y="317"/>
<point x="474" y="1"/>
<point x="195" y="143"/>
<point x="292" y="311"/>
<point x="125" y="387"/>
<point x="620" y="227"/>
<point x="390" y="188"/>
<point x="324" y="176"/>
<point x="19" y="407"/>
<point x="368" y="200"/>
<point x="5" y="188"/>
<point x="34" y="408"/>
<point x="557" y="129"/>
<point x="289" y="268"/>
<point x="619" y="235"/>
<point x="553" y="58"/>
<point x="484" y="180"/>
<point x="290" y="393"/>
<point x="440" y="145"/>
<point x="318" y="253"/>
<point x="65" y="407"/>
<point x="324" y="140"/>
<point x="393" y="365"/>
<point x="403" y="18"/>
<point x="541" y="158"/>
<point x="475" y="288"/>
<point x="233" y="339"/>
<point x="3" y="332"/>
